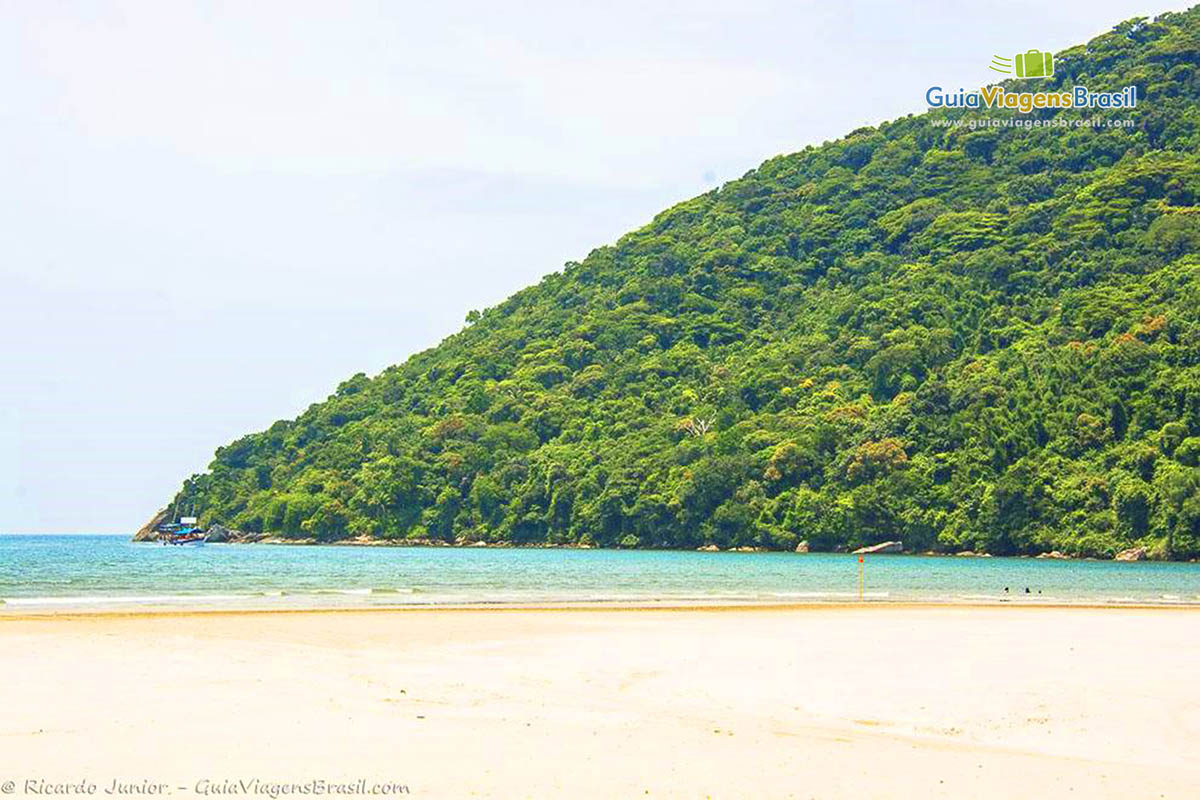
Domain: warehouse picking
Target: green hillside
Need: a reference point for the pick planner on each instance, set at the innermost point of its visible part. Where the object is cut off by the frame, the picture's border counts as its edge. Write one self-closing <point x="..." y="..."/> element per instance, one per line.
<point x="964" y="339"/>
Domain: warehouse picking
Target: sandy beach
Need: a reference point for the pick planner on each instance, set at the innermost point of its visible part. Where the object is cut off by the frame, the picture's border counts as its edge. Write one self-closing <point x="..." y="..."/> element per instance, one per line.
<point x="880" y="701"/>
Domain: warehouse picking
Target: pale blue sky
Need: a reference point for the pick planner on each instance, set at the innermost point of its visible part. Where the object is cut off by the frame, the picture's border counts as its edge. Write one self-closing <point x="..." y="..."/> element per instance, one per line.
<point x="212" y="213"/>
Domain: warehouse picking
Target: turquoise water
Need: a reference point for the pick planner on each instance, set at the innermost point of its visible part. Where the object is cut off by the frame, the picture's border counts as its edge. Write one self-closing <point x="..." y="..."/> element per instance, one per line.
<point x="105" y="571"/>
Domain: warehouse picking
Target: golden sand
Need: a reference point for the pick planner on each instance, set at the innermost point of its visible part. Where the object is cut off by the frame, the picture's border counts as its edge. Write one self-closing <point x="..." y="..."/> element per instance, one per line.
<point x="829" y="701"/>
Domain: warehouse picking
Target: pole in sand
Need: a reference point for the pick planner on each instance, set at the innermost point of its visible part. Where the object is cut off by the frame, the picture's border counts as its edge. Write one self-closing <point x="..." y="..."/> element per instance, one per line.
<point x="860" y="578"/>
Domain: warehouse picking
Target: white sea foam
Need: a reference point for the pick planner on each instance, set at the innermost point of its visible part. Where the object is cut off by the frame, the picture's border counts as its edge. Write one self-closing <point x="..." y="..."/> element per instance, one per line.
<point x="87" y="600"/>
<point x="837" y="595"/>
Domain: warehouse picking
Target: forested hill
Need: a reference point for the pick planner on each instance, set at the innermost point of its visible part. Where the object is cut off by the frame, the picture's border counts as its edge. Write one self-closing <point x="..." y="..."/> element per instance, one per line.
<point x="963" y="339"/>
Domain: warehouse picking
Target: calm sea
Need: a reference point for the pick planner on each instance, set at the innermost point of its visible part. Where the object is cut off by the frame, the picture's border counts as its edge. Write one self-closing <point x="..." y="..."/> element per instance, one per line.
<point x="56" y="572"/>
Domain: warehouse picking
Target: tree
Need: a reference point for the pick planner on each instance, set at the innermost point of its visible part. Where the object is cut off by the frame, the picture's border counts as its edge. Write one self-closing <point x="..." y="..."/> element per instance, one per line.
<point x="981" y="339"/>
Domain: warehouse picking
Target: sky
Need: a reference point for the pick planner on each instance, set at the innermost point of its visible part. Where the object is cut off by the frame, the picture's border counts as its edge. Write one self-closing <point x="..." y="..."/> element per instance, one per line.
<point x="213" y="213"/>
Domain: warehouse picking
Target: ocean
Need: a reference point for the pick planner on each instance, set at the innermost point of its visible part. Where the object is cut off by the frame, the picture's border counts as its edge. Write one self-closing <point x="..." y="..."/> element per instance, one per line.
<point x="98" y="572"/>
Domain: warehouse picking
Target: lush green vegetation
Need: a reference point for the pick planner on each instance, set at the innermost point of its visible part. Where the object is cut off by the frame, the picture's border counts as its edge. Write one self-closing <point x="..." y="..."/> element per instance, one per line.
<point x="964" y="339"/>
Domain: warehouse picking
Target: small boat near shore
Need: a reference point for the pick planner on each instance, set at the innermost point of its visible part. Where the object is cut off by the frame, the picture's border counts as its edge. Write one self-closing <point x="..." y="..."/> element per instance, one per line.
<point x="186" y="532"/>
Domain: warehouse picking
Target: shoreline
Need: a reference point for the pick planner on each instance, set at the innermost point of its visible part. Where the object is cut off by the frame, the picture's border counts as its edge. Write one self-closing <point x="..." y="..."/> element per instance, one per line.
<point x="104" y="575"/>
<point x="274" y="540"/>
<point x="221" y="535"/>
<point x="599" y="606"/>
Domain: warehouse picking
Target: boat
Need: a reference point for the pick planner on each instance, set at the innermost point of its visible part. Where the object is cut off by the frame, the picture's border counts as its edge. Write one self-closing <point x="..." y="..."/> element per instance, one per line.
<point x="185" y="532"/>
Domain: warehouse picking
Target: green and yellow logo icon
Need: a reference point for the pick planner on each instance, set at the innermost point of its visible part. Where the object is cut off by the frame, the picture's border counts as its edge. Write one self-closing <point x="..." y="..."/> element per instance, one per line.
<point x="1030" y="64"/>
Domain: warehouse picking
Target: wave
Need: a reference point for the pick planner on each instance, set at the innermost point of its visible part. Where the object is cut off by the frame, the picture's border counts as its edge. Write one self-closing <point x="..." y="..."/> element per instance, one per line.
<point x="176" y="599"/>
<point x="84" y="600"/>
<point x="402" y="596"/>
<point x="365" y="592"/>
<point x="831" y="595"/>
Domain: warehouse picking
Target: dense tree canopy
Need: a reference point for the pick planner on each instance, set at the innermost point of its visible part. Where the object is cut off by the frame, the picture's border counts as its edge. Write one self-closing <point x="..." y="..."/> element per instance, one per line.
<point x="978" y="339"/>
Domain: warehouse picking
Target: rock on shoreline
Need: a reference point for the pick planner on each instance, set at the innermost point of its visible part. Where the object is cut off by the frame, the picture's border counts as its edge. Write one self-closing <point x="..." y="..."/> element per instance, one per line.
<point x="147" y="532"/>
<point x="1132" y="554"/>
<point x="220" y="534"/>
<point x="882" y="547"/>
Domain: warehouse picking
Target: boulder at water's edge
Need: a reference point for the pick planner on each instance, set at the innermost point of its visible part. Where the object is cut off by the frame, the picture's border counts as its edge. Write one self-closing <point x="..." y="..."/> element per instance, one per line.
<point x="882" y="547"/>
